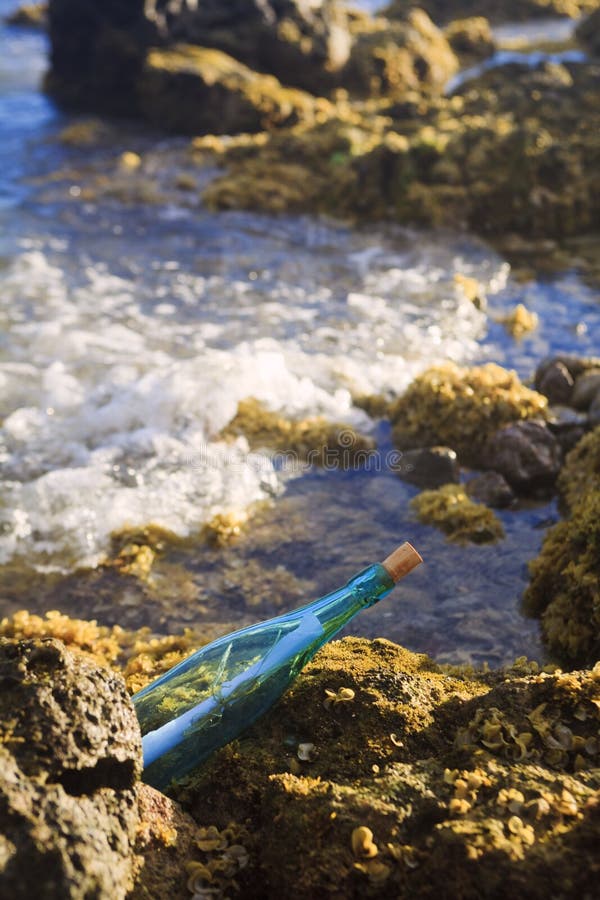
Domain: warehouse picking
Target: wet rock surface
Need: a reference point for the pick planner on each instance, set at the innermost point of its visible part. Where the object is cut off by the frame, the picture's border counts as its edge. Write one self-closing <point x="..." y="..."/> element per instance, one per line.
<point x="526" y="453"/>
<point x="71" y="756"/>
<point x="430" y="467"/>
<point x="492" y="489"/>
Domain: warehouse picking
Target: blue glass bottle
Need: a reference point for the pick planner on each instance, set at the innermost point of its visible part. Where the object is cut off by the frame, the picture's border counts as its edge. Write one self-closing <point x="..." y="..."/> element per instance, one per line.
<point x="211" y="697"/>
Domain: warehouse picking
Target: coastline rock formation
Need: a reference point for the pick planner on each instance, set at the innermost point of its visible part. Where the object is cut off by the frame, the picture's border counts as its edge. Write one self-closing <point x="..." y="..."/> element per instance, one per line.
<point x="70" y="757"/>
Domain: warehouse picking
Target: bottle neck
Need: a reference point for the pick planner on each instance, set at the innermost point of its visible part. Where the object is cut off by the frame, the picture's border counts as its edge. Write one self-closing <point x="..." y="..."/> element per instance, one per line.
<point x="365" y="589"/>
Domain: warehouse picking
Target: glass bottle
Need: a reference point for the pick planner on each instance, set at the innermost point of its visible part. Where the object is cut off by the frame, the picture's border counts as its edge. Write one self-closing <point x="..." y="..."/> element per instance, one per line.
<point x="208" y="699"/>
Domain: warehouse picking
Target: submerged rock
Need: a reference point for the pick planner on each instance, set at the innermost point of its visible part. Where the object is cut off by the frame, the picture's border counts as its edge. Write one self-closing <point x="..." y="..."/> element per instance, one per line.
<point x="451" y="509"/>
<point x="71" y="755"/>
<point x="492" y="489"/>
<point x="429" y="467"/>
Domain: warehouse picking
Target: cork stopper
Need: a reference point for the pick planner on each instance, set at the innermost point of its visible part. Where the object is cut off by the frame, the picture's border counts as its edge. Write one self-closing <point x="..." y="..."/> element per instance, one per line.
<point x="402" y="561"/>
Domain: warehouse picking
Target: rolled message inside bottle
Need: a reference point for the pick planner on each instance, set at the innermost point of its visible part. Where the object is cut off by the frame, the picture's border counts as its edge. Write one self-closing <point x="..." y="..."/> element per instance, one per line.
<point x="402" y="561"/>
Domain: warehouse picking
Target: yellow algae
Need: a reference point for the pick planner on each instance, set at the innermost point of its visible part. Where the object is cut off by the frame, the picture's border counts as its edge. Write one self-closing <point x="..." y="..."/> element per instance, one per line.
<point x="462" y="519"/>
<point x="519" y="321"/>
<point x="314" y="441"/>
<point x="462" y="407"/>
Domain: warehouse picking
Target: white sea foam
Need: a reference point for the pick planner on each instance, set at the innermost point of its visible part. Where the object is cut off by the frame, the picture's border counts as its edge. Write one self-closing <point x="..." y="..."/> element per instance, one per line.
<point x="113" y="389"/>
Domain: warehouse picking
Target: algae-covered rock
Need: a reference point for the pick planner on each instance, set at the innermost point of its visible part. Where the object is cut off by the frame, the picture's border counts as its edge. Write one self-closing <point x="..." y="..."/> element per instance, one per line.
<point x="312" y="441"/>
<point x="496" y="10"/>
<point x="195" y="90"/>
<point x="520" y="321"/>
<point x="390" y="59"/>
<point x="564" y="588"/>
<point x="302" y="44"/>
<point x="471" y="39"/>
<point x="461" y="518"/>
<point x="462" y="408"/>
<point x="71" y="754"/>
<point x="400" y="796"/>
<point x="580" y="474"/>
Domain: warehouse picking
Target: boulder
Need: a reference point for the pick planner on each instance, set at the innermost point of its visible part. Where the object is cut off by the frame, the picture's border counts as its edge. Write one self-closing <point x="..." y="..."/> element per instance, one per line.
<point x="575" y="366"/>
<point x="198" y="90"/>
<point x="567" y="425"/>
<point x="556" y="383"/>
<point x="587" y="387"/>
<point x="429" y="467"/>
<point x="389" y="59"/>
<point x="303" y="44"/>
<point x="526" y="453"/>
<point x="70" y="754"/>
<point x="471" y="39"/>
<point x="497" y="11"/>
<point x="492" y="489"/>
<point x="97" y="52"/>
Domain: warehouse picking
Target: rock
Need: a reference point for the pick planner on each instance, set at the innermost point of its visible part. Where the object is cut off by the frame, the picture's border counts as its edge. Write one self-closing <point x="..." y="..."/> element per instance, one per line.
<point x="492" y="489"/>
<point x="166" y="839"/>
<point x="587" y="386"/>
<point x="497" y="11"/>
<point x="526" y="453"/>
<point x="429" y="467"/>
<point x="575" y="365"/>
<point x="303" y="44"/>
<point x="580" y="474"/>
<point x="70" y="756"/>
<point x="198" y="90"/>
<point x="461" y="408"/>
<point x="450" y="509"/>
<point x="389" y="59"/>
<point x="449" y="778"/>
<point x="588" y="33"/>
<point x="563" y="589"/>
<point x="567" y="425"/>
<point x="97" y="53"/>
<point x="556" y="383"/>
<point x="30" y="15"/>
<point x="594" y="411"/>
<point x="471" y="39"/>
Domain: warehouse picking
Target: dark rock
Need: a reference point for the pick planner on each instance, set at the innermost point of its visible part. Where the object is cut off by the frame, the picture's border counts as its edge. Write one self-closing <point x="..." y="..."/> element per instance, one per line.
<point x="567" y="425"/>
<point x="586" y="388"/>
<point x="492" y="489"/>
<point x="302" y="44"/>
<point x="429" y="467"/>
<point x="526" y="453"/>
<point x="70" y="755"/>
<point x="594" y="411"/>
<point x="97" y="52"/>
<point x="588" y="32"/>
<point x="575" y="365"/>
<point x="556" y="383"/>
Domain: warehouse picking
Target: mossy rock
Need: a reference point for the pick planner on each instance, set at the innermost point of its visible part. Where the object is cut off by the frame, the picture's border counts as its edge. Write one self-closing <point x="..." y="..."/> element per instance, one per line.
<point x="314" y="441"/>
<point x="564" y="588"/>
<point x="451" y="509"/>
<point x="399" y="797"/>
<point x="462" y="408"/>
<point x="497" y="11"/>
<point x="580" y="475"/>
<point x="198" y="90"/>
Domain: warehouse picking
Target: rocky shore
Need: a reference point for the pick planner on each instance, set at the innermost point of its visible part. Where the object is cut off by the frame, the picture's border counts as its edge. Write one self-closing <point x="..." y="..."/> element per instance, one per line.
<point x="381" y="773"/>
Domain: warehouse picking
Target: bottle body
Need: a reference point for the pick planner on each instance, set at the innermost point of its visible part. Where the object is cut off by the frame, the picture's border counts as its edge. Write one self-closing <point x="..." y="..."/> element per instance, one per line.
<point x="210" y="698"/>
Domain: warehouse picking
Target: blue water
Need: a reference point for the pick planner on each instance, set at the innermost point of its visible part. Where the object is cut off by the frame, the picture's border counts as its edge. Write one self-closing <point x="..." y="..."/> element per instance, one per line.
<point x="130" y="330"/>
